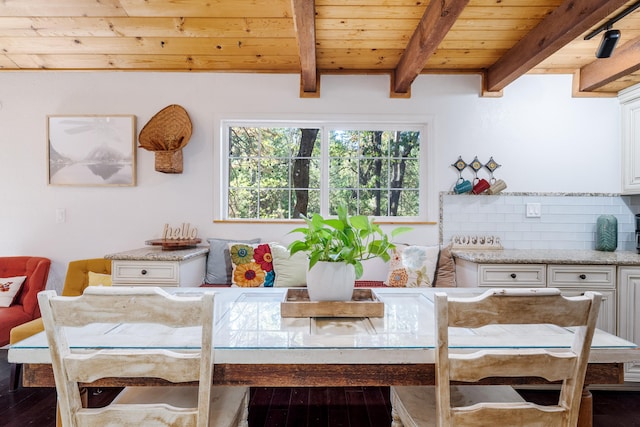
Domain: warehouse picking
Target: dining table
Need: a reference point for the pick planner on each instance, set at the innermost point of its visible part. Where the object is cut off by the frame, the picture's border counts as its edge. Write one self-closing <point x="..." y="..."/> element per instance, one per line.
<point x="256" y="345"/>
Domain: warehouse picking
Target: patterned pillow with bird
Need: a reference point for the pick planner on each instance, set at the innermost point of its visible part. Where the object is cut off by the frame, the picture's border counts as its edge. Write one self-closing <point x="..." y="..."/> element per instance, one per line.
<point x="413" y="266"/>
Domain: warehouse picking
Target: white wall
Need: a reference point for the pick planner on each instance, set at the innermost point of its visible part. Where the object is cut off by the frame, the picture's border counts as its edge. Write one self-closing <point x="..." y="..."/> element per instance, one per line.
<point x="545" y="140"/>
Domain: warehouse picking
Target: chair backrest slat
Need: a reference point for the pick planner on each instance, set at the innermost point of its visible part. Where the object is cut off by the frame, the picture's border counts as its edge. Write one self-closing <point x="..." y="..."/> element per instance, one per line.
<point x="137" y="415"/>
<point x="526" y="363"/>
<point x="516" y="307"/>
<point x="128" y="305"/>
<point x="509" y="308"/>
<point x="528" y="414"/>
<point x="170" y="366"/>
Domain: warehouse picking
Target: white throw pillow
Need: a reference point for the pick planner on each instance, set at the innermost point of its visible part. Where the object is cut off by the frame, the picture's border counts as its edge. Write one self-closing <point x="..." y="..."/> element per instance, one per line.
<point x="9" y="288"/>
<point x="291" y="270"/>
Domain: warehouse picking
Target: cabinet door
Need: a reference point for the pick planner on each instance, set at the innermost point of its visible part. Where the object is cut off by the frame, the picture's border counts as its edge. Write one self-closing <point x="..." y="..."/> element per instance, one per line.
<point x="574" y="280"/>
<point x="631" y="142"/>
<point x="629" y="314"/>
<point x="607" y="315"/>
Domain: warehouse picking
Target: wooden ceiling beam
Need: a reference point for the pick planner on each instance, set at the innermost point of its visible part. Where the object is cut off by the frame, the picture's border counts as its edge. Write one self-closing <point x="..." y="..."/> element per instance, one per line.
<point x="625" y="60"/>
<point x="566" y="23"/>
<point x="436" y="22"/>
<point x="305" y="26"/>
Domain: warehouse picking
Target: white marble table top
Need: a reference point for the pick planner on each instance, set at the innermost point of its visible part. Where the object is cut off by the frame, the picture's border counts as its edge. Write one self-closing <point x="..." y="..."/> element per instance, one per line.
<point x="249" y="329"/>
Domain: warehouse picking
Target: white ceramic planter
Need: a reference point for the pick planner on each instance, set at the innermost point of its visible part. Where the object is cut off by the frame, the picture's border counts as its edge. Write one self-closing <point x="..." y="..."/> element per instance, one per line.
<point x="331" y="281"/>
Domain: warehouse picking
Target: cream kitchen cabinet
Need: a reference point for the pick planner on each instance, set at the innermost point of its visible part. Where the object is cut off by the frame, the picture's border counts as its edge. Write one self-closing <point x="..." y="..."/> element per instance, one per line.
<point x="629" y="313"/>
<point x="154" y="267"/>
<point x="574" y="280"/>
<point x="570" y="279"/>
<point x="630" y="109"/>
<point x="471" y="274"/>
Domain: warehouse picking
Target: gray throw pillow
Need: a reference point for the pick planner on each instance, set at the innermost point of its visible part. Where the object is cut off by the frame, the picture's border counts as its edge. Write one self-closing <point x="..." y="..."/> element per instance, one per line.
<point x="219" y="266"/>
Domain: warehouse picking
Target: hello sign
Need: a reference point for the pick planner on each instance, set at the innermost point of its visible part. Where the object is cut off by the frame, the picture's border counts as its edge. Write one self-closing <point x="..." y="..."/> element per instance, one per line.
<point x="183" y="232"/>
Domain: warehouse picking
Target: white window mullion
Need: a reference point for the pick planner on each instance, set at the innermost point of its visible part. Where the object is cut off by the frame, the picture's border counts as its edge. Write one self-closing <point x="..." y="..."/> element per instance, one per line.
<point x="223" y="208"/>
<point x="259" y="175"/>
<point x="324" y="171"/>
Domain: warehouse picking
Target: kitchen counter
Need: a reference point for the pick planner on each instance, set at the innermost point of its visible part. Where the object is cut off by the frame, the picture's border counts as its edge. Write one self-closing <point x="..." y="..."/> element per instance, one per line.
<point x="546" y="256"/>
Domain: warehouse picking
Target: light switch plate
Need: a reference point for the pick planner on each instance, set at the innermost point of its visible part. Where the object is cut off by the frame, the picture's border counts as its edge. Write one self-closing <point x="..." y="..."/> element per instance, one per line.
<point x="61" y="215"/>
<point x="533" y="210"/>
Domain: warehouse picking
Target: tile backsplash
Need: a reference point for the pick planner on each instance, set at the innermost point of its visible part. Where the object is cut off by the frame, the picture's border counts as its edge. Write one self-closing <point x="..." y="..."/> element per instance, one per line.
<point x="566" y="221"/>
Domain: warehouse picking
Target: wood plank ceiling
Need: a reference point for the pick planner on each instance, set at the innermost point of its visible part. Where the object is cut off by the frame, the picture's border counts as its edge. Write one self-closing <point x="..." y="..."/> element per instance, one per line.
<point x="500" y="39"/>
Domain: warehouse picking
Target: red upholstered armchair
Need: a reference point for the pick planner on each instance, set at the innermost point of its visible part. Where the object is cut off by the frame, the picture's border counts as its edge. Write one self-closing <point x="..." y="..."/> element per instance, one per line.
<point x="25" y="306"/>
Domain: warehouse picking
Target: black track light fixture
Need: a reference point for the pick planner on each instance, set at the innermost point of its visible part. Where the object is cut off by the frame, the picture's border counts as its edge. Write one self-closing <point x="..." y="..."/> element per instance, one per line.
<point x="611" y="37"/>
<point x="608" y="43"/>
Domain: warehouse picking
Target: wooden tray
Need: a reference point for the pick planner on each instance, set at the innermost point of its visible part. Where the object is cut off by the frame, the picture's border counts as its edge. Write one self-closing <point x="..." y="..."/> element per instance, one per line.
<point x="364" y="303"/>
<point x="168" y="244"/>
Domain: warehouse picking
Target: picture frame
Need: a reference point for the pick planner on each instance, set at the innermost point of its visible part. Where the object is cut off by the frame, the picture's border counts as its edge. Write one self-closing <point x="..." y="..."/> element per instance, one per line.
<point x="91" y="150"/>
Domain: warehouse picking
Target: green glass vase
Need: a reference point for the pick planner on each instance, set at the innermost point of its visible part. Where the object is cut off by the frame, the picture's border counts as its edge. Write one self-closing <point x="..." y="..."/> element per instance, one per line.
<point x="607" y="233"/>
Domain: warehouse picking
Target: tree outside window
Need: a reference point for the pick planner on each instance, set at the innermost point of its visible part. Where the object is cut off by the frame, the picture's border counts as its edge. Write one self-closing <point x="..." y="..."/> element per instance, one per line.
<point x="284" y="172"/>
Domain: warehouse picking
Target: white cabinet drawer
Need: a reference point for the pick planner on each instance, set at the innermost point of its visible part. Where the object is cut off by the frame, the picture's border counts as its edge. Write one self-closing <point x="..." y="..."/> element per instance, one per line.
<point x="145" y="273"/>
<point x="592" y="276"/>
<point x="525" y="275"/>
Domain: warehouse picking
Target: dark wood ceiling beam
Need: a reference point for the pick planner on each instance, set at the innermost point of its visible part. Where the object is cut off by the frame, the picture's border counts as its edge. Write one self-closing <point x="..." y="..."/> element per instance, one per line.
<point x="566" y="23"/>
<point x="625" y="60"/>
<point x="436" y="22"/>
<point x="305" y="25"/>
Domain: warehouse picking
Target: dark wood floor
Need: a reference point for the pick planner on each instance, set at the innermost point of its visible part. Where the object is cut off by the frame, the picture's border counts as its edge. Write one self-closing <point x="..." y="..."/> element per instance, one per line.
<point x="339" y="407"/>
<point x="300" y="407"/>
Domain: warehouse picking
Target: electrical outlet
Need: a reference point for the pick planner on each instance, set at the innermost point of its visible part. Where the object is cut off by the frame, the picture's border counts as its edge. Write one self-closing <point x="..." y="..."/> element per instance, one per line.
<point x="533" y="210"/>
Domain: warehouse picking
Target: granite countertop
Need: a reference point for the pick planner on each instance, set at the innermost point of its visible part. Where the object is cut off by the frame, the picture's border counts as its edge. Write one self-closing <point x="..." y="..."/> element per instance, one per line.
<point x="545" y="256"/>
<point x="155" y="253"/>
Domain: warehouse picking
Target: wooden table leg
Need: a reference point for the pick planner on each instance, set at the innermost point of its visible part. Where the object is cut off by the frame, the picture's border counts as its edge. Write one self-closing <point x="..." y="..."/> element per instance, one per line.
<point x="585" y="418"/>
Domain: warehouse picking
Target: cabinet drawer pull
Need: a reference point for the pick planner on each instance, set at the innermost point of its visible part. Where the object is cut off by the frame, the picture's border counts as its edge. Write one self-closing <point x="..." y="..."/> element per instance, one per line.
<point x="143" y="272"/>
<point x="513" y="275"/>
<point x="582" y="276"/>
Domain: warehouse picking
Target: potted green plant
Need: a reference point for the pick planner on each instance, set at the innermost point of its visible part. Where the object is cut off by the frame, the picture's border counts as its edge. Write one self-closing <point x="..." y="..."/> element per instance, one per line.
<point x="336" y="248"/>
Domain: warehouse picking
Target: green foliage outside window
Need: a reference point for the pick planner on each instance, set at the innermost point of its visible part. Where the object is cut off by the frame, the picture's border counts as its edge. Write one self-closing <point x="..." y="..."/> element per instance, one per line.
<point x="276" y="172"/>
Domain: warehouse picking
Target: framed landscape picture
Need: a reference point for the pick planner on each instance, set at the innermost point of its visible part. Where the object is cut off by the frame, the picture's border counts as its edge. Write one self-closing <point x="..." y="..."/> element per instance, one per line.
<point x="92" y="150"/>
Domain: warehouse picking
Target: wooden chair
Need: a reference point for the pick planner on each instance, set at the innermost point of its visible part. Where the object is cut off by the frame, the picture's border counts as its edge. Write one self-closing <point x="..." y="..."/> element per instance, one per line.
<point x="172" y="405"/>
<point x="481" y="405"/>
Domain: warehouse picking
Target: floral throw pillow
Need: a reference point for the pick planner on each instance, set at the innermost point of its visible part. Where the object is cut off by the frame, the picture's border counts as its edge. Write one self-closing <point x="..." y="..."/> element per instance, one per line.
<point x="413" y="266"/>
<point x="252" y="265"/>
<point x="9" y="288"/>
